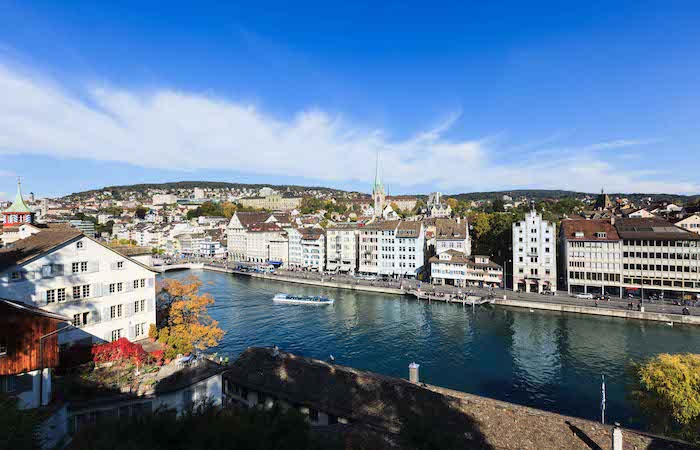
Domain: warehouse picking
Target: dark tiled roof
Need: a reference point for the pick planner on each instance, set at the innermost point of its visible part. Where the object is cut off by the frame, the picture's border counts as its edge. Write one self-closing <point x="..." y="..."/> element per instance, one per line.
<point x="652" y="228"/>
<point x="449" y="229"/>
<point x="382" y="225"/>
<point x="131" y="250"/>
<point x="408" y="229"/>
<point x="249" y="218"/>
<point x="35" y="245"/>
<point x="311" y="233"/>
<point x="570" y="227"/>
<point x="367" y="397"/>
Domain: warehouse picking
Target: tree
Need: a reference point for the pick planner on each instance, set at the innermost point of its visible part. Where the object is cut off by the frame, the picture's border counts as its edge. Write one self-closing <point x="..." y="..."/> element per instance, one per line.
<point x="183" y="321"/>
<point x="19" y="428"/>
<point x="668" y="392"/>
<point x="310" y="205"/>
<point x="452" y="202"/>
<point x="229" y="209"/>
<point x="141" y="212"/>
<point x="113" y="211"/>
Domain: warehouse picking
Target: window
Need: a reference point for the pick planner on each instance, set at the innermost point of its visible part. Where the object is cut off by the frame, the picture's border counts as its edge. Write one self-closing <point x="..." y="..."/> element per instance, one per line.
<point x="139" y="306"/>
<point x="140" y="329"/>
<point x="86" y="290"/>
<point x="120" y="264"/>
<point x="61" y="294"/>
<point x="120" y="287"/>
<point x="136" y="284"/>
<point x="112" y="288"/>
<point x="75" y="267"/>
<point x="115" y="311"/>
<point x="76" y="291"/>
<point x="51" y="296"/>
<point x="76" y="319"/>
<point x="79" y="245"/>
<point x="116" y="334"/>
<point x="84" y="266"/>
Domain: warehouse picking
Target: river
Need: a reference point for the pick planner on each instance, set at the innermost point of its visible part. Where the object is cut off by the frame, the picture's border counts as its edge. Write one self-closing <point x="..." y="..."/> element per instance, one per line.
<point x="548" y="360"/>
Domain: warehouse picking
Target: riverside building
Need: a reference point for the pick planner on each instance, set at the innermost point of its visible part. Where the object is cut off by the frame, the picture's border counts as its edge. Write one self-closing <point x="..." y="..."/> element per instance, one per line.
<point x="639" y="256"/>
<point x="106" y="295"/>
<point x="534" y="254"/>
<point x="392" y="248"/>
<point x="342" y="249"/>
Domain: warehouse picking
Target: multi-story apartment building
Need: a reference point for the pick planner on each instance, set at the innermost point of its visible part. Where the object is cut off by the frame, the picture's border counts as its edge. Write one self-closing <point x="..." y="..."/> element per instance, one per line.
<point x="295" y="257"/>
<point x="455" y="268"/>
<point x="591" y="256"/>
<point x="106" y="294"/>
<point x="659" y="257"/>
<point x="452" y="234"/>
<point x="313" y="249"/>
<point x="392" y="248"/>
<point x="342" y="247"/>
<point x="534" y="254"/>
<point x="237" y="231"/>
<point x="279" y="249"/>
<point x="259" y="242"/>
<point x="164" y="199"/>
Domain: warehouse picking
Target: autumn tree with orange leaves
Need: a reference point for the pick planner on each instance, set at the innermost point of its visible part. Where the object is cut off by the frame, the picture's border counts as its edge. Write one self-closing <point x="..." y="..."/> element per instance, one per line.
<point x="184" y="324"/>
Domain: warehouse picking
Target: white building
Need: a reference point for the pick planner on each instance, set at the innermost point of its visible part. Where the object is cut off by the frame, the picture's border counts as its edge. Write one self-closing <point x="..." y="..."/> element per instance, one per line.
<point x="342" y="247"/>
<point x="106" y="294"/>
<point x="534" y="254"/>
<point x="690" y="223"/>
<point x="295" y="257"/>
<point x="392" y="248"/>
<point x="164" y="199"/>
<point x="237" y="233"/>
<point x="455" y="268"/>
<point x="313" y="249"/>
<point x="198" y="194"/>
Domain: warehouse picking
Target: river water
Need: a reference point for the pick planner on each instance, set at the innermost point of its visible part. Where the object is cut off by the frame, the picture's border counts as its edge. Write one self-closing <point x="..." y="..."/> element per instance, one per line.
<point x="547" y="360"/>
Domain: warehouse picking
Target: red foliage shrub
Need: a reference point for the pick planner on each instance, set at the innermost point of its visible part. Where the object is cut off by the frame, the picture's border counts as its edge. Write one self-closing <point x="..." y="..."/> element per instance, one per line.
<point x="120" y="350"/>
<point x="158" y="356"/>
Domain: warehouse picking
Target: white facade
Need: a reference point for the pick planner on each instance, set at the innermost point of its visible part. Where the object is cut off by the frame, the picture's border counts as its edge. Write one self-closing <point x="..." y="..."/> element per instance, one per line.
<point x="534" y="254"/>
<point x="313" y="249"/>
<point x="107" y="295"/>
<point x="452" y="234"/>
<point x="392" y="248"/>
<point x="690" y="223"/>
<point x="295" y="256"/>
<point x="455" y="268"/>
<point x="164" y="199"/>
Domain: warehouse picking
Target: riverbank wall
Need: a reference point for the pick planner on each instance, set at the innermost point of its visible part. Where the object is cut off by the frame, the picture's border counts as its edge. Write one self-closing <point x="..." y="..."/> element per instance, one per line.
<point x="619" y="313"/>
<point x="545" y="306"/>
<point x="312" y="282"/>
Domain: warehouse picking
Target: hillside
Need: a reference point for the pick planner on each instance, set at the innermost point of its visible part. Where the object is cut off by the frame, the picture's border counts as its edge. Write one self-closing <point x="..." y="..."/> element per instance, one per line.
<point x="143" y="188"/>
<point x="540" y="194"/>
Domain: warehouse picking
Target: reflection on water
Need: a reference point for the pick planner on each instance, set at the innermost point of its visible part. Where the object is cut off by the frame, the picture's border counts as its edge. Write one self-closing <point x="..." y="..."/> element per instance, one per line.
<point x="542" y="359"/>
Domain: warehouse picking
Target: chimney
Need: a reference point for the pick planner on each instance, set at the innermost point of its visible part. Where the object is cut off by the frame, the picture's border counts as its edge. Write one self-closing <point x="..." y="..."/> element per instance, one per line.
<point x="413" y="372"/>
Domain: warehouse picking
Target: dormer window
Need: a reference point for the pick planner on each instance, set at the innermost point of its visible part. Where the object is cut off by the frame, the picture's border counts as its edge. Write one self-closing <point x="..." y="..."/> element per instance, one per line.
<point x="579" y="234"/>
<point x="601" y="234"/>
<point x="79" y="245"/>
<point x="16" y="276"/>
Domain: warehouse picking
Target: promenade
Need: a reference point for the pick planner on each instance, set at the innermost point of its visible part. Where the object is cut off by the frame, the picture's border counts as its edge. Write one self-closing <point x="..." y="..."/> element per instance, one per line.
<point x="659" y="312"/>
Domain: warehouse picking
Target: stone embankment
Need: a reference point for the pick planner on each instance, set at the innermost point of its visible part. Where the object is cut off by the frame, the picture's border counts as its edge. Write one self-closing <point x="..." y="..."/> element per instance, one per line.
<point x="670" y="319"/>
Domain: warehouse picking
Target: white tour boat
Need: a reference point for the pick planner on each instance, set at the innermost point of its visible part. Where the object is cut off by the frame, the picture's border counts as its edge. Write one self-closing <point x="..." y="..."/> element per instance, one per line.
<point x="303" y="299"/>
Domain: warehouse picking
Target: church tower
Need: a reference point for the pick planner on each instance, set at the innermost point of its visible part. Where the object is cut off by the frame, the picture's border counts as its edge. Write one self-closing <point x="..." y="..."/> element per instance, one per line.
<point x="18" y="213"/>
<point x="378" y="193"/>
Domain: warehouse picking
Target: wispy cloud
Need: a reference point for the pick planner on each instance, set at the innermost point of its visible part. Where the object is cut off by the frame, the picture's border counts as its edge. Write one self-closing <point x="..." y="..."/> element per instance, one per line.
<point x="167" y="128"/>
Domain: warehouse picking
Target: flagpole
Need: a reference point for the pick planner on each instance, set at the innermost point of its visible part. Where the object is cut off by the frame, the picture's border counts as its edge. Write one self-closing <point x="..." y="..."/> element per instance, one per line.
<point x="602" y="401"/>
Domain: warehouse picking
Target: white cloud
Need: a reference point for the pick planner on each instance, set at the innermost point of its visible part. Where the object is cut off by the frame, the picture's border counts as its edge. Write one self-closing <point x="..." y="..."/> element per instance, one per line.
<point x="171" y="129"/>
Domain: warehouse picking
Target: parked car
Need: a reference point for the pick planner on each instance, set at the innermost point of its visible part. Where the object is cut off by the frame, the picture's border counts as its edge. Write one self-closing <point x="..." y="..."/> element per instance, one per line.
<point x="588" y="296"/>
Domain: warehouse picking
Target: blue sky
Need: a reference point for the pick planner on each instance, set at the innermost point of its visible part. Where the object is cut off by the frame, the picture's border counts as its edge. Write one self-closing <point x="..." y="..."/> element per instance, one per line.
<point x="459" y="97"/>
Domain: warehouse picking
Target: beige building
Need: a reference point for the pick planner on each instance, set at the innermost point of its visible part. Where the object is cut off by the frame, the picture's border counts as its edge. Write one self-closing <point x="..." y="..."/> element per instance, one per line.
<point x="275" y="202"/>
<point x="591" y="256"/>
<point x="342" y="247"/>
<point x="690" y="223"/>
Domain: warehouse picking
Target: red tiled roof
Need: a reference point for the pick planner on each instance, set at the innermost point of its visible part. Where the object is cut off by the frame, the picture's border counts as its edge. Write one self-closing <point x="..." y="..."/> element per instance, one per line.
<point x="589" y="228"/>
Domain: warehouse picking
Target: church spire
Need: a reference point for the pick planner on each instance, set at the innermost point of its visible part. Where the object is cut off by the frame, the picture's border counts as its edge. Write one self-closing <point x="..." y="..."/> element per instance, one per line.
<point x="377" y="179"/>
<point x="18" y="206"/>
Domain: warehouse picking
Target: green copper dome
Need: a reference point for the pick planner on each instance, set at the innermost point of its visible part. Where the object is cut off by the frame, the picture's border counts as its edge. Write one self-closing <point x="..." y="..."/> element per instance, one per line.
<point x="18" y="206"/>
